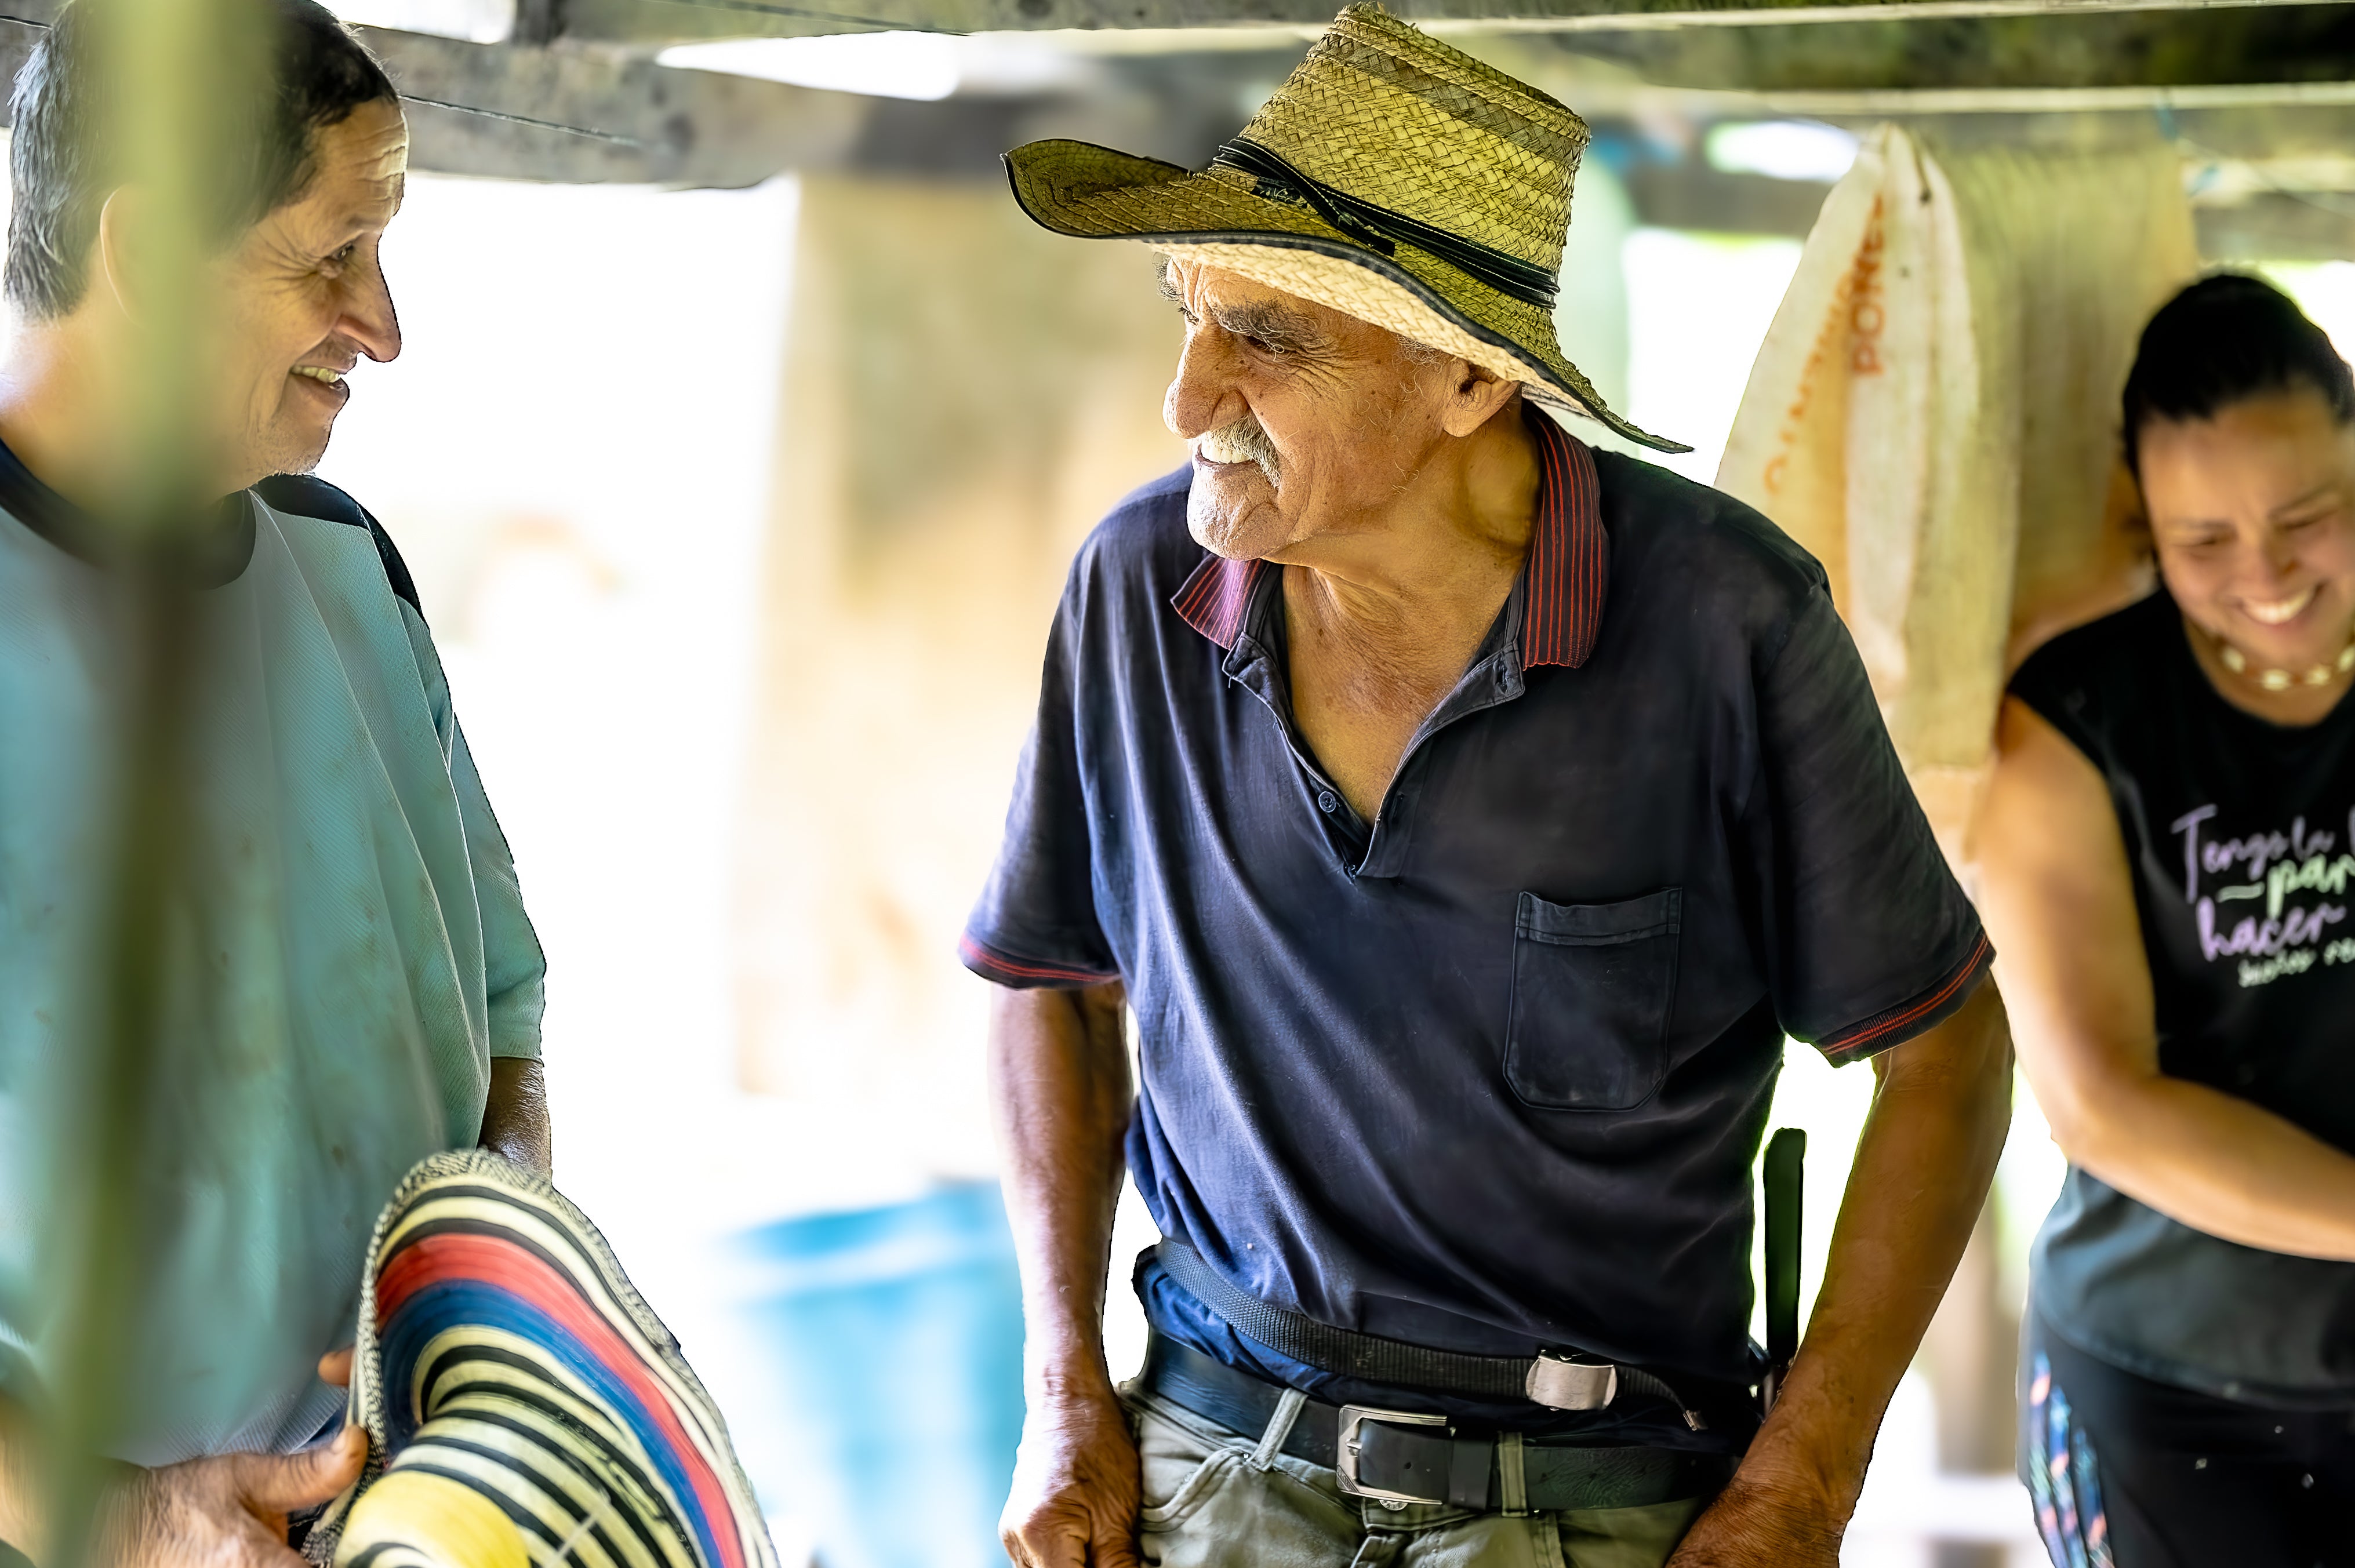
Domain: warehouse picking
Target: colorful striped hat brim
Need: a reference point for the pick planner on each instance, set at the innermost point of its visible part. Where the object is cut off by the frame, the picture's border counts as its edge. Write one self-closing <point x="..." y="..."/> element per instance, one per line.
<point x="525" y="1408"/>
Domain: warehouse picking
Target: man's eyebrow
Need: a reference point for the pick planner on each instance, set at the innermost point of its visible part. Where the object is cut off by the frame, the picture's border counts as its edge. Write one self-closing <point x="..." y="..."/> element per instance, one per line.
<point x="1169" y="284"/>
<point x="2319" y="492"/>
<point x="1271" y="324"/>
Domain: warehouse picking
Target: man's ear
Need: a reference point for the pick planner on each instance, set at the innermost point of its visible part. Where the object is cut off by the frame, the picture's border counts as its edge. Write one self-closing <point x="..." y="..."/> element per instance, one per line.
<point x="1477" y="397"/>
<point x="118" y="237"/>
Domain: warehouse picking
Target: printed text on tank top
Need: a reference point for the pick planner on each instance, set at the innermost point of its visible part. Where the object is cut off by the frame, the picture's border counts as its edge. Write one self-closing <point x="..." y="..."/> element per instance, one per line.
<point x="2243" y="892"/>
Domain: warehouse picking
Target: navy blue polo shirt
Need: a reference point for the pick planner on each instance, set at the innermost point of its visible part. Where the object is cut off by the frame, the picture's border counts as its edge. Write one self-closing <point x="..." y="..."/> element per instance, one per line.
<point x="1487" y="1073"/>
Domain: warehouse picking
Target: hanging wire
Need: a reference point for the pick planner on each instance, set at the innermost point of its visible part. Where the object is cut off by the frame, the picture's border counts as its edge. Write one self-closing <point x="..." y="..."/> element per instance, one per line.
<point x="2315" y="199"/>
<point x="501" y="114"/>
<point x="802" y="13"/>
<point x="2172" y="131"/>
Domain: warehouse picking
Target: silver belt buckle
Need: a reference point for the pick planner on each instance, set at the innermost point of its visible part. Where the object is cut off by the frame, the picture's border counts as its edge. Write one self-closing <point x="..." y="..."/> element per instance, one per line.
<point x="1560" y="1383"/>
<point x="1344" y="1452"/>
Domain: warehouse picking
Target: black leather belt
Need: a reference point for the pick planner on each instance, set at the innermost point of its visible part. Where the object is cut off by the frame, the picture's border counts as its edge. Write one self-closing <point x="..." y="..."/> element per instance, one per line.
<point x="1560" y="1381"/>
<point x="1400" y="1457"/>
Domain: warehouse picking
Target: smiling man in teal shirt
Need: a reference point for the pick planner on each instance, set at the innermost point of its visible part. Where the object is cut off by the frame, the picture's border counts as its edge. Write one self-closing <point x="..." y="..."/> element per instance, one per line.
<point x="352" y="981"/>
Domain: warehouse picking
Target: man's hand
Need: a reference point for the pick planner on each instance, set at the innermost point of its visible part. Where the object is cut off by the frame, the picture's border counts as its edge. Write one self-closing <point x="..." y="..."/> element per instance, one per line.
<point x="225" y="1512"/>
<point x="1753" y="1525"/>
<point x="1058" y="1076"/>
<point x="1075" y="1489"/>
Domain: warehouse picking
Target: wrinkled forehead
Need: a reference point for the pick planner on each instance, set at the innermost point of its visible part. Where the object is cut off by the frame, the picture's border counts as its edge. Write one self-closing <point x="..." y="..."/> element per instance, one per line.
<point x="367" y="151"/>
<point x="360" y="173"/>
<point x="1201" y="286"/>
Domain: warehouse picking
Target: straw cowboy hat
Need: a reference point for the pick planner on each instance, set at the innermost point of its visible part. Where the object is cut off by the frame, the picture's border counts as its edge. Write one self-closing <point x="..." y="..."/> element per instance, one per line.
<point x="525" y="1408"/>
<point x="1392" y="177"/>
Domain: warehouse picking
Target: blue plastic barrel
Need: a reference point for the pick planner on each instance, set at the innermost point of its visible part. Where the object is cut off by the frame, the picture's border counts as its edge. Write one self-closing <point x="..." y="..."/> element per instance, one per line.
<point x="890" y="1343"/>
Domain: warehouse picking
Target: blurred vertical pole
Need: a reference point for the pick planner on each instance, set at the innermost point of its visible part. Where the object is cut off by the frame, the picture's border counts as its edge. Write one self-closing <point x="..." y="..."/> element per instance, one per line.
<point x="1971" y="1355"/>
<point x="169" y="71"/>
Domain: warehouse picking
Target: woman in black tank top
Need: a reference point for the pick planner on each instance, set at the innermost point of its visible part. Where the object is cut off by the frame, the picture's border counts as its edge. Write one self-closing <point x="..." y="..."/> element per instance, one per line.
<point x="2168" y="870"/>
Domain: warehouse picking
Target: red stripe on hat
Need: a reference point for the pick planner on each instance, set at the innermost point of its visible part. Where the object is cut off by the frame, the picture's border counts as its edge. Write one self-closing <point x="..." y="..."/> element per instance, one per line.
<point x="486" y="1260"/>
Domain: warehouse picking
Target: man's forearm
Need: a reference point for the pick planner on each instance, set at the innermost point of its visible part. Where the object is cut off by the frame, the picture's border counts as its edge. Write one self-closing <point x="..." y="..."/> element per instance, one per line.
<point x="1060" y="1084"/>
<point x="514" y="1119"/>
<point x="1922" y="1170"/>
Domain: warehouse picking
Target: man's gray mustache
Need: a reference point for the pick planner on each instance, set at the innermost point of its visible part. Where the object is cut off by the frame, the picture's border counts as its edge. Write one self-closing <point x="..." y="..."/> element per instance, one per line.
<point x="1244" y="440"/>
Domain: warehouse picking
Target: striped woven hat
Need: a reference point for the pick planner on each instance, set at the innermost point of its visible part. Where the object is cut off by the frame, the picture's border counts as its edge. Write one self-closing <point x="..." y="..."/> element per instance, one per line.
<point x="524" y="1406"/>
<point x="1390" y="177"/>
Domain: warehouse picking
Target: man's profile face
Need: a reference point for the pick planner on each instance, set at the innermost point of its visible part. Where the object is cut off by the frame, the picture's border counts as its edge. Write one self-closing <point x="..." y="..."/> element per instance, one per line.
<point x="305" y="298"/>
<point x="1304" y="420"/>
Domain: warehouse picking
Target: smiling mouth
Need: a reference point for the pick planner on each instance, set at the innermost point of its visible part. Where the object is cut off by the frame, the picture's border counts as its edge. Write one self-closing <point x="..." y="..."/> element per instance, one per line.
<point x="2277" y="612"/>
<point x="321" y="373"/>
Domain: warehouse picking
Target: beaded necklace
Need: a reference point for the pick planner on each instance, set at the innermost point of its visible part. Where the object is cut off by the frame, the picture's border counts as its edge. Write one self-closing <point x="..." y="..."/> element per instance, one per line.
<point x="2277" y="680"/>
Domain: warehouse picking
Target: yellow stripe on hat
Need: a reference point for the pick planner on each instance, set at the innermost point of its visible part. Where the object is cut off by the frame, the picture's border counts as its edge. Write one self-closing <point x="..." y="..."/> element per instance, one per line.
<point x="438" y="1521"/>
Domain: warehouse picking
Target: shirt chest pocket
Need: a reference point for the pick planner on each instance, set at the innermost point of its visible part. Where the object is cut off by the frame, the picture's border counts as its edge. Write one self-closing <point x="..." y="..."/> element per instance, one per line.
<point x="1593" y="984"/>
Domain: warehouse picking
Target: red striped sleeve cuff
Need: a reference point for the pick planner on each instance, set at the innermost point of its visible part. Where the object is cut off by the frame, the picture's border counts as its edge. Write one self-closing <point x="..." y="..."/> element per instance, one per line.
<point x="1902" y="1022"/>
<point x="1024" y="973"/>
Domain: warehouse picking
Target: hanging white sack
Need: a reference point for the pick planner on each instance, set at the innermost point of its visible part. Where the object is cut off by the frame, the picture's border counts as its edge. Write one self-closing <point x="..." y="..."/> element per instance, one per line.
<point x="1934" y="414"/>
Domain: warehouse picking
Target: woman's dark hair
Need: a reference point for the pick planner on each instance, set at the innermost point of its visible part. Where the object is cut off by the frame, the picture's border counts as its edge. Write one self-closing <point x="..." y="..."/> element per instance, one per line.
<point x="2227" y="338"/>
<point x="64" y="163"/>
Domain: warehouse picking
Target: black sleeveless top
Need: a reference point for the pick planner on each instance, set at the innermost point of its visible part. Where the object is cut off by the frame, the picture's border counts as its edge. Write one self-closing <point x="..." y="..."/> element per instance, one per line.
<point x="2240" y="836"/>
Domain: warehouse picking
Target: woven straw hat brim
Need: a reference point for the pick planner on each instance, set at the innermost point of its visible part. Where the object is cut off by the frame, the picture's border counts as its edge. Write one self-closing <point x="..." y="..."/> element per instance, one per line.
<point x="1097" y="193"/>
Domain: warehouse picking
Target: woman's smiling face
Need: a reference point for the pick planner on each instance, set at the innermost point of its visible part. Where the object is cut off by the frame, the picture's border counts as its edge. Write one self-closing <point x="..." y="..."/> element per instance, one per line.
<point x="2253" y="512"/>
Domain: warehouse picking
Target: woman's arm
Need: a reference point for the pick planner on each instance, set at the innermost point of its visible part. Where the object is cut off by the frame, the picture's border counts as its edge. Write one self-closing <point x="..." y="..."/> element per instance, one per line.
<point x="2058" y="900"/>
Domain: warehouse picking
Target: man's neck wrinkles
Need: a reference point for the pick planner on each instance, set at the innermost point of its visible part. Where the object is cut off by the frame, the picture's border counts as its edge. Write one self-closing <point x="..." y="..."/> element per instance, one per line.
<point x="1377" y="651"/>
<point x="1418" y="559"/>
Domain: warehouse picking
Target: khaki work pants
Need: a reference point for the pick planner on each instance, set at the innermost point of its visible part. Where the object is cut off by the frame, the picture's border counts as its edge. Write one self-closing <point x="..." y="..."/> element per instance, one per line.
<point x="1215" y="1499"/>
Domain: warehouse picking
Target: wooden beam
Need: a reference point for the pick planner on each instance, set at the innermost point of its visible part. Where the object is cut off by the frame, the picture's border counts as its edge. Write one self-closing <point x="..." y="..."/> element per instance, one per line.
<point x="1907" y="103"/>
<point x="2270" y="227"/>
<point x="2303" y="44"/>
<point x="578" y="117"/>
<point x="657" y="22"/>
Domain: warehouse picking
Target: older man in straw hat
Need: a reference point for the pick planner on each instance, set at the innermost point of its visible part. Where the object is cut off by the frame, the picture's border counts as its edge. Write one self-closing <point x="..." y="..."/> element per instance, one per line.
<point x="1467" y="816"/>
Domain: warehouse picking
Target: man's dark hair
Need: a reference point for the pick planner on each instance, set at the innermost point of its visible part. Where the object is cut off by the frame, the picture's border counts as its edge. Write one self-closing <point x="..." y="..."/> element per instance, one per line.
<point x="64" y="161"/>
<point x="2227" y="338"/>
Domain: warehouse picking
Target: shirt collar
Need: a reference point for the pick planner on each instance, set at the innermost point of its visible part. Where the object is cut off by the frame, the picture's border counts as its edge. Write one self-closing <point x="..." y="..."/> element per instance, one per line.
<point x="1565" y="577"/>
<point x="211" y="551"/>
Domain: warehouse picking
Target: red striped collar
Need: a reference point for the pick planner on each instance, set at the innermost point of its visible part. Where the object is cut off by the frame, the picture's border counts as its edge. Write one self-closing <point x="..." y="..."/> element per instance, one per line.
<point x="1564" y="579"/>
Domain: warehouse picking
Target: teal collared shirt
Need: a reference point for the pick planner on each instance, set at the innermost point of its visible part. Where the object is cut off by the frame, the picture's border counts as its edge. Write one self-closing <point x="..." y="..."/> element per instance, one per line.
<point x="353" y="952"/>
